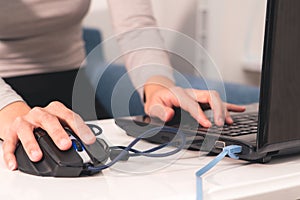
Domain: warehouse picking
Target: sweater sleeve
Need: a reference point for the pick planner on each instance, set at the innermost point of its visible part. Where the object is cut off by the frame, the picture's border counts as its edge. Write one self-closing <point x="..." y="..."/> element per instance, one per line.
<point x="140" y="41"/>
<point x="7" y="95"/>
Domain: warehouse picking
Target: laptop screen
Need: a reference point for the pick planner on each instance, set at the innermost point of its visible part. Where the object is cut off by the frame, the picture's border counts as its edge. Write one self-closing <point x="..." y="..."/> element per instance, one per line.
<point x="280" y="95"/>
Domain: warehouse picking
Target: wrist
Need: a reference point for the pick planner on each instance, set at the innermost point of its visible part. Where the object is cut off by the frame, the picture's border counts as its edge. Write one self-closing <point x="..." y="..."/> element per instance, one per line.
<point x="10" y="112"/>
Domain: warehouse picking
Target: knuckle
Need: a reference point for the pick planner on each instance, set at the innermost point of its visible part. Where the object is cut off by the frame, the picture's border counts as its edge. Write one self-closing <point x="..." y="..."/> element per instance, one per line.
<point x="55" y="104"/>
<point x="70" y="115"/>
<point x="18" y="123"/>
<point x="178" y="89"/>
<point x="36" y="110"/>
<point x="214" y="93"/>
<point x="176" y="92"/>
<point x="46" y="117"/>
<point x="6" y="144"/>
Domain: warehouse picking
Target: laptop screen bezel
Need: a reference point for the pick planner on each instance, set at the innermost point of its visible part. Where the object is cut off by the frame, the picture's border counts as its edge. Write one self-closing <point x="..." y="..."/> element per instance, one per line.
<point x="263" y="143"/>
<point x="265" y="75"/>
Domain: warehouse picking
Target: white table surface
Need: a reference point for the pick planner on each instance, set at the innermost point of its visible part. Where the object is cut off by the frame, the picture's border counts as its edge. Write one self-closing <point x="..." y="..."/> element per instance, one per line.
<point x="167" y="178"/>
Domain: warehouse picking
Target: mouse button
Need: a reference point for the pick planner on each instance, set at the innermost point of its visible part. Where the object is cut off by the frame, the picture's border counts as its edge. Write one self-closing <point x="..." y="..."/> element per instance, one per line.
<point x="38" y="132"/>
<point x="63" y="158"/>
<point x="98" y="151"/>
<point x="77" y="145"/>
<point x="69" y="131"/>
<point x="26" y="165"/>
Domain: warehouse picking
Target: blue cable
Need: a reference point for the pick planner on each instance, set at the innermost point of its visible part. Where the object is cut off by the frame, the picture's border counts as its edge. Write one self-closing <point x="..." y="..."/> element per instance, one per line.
<point x="230" y="151"/>
<point x="147" y="153"/>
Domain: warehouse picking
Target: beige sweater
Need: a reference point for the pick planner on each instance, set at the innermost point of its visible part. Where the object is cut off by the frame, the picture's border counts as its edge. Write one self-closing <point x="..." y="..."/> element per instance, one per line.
<point x="40" y="36"/>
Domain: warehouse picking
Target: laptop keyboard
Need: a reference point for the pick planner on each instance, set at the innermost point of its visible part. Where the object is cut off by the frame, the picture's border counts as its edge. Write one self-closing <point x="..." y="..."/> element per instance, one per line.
<point x="243" y="124"/>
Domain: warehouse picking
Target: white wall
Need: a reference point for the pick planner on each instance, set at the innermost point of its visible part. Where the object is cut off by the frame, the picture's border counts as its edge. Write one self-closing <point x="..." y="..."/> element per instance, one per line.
<point x="235" y="38"/>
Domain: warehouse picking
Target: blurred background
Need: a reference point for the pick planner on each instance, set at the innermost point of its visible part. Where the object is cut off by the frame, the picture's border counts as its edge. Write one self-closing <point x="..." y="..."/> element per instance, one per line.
<point x="230" y="30"/>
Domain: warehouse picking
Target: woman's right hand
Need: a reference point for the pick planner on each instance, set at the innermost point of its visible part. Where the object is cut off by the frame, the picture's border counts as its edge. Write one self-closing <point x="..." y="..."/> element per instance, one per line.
<point x="18" y="120"/>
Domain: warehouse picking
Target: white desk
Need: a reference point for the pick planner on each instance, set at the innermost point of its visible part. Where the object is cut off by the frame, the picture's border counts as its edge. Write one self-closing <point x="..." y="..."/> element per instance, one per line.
<point x="168" y="178"/>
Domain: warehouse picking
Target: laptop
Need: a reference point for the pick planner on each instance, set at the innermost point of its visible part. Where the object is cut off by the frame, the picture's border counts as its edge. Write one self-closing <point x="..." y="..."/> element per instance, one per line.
<point x="271" y="130"/>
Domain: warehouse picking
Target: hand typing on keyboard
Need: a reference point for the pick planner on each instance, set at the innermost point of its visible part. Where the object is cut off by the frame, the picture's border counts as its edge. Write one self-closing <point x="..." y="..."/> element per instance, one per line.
<point x="162" y="95"/>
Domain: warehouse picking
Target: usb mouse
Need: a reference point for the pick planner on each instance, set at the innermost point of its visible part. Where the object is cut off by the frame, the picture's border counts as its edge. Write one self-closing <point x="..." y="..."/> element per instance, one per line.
<point x="70" y="163"/>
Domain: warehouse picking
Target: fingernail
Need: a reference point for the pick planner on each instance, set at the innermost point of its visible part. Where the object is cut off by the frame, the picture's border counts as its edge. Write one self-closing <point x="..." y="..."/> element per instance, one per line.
<point x="34" y="154"/>
<point x="11" y="165"/>
<point x="89" y="138"/>
<point x="221" y="121"/>
<point x="229" y="120"/>
<point x="207" y="123"/>
<point x="64" y="142"/>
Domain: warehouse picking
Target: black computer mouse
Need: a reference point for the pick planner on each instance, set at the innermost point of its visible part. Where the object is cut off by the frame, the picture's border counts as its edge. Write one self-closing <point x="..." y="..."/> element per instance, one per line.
<point x="70" y="163"/>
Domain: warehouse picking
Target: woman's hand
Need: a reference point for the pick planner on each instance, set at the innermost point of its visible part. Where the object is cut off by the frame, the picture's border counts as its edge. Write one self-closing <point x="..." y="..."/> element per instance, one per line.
<point x="18" y="120"/>
<point x="161" y="95"/>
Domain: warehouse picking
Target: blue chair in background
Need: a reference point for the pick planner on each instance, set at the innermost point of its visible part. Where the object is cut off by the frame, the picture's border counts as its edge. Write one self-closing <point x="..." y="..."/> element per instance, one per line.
<point x="92" y="38"/>
<point x="108" y="80"/>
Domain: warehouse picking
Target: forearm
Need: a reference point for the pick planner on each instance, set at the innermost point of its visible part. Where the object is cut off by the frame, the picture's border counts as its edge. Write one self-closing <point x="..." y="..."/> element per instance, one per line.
<point x="140" y="41"/>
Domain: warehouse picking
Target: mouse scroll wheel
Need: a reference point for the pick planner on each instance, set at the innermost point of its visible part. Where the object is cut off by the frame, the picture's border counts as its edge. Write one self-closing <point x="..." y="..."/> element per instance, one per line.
<point x="77" y="145"/>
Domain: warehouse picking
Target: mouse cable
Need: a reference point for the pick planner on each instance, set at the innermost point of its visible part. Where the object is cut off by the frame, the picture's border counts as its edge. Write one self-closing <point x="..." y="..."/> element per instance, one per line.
<point x="124" y="154"/>
<point x="231" y="151"/>
<point x="115" y="150"/>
